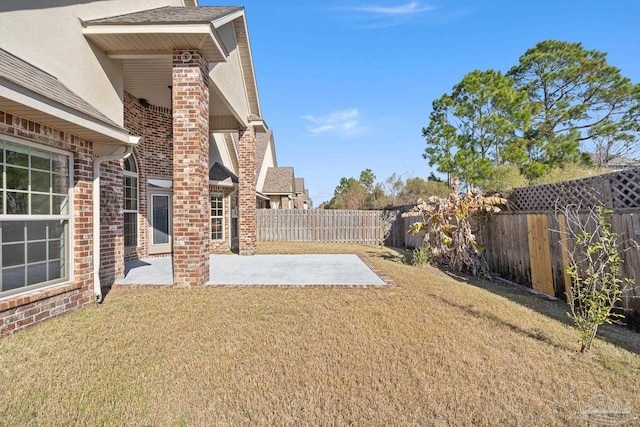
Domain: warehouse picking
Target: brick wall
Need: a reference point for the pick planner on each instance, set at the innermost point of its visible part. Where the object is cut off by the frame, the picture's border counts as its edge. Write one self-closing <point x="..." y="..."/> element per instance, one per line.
<point x="18" y="312"/>
<point x="191" y="212"/>
<point x="247" y="191"/>
<point x="111" y="223"/>
<point x="154" y="156"/>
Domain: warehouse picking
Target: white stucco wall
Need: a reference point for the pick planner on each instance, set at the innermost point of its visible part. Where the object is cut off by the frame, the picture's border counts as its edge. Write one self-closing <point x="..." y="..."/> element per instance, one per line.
<point x="48" y="34"/>
<point x="218" y="151"/>
<point x="269" y="162"/>
<point x="228" y="77"/>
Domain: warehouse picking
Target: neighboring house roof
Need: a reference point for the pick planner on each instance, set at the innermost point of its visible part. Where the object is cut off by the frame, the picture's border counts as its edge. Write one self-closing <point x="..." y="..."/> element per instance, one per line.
<point x="44" y="84"/>
<point x="300" y="185"/>
<point x="279" y="181"/>
<point x="220" y="173"/>
<point x="616" y="162"/>
<point x="170" y="15"/>
<point x="262" y="143"/>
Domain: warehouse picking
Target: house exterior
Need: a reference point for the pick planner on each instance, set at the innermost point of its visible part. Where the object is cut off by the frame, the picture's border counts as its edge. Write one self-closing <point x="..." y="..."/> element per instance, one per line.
<point x="265" y="158"/>
<point x="127" y="130"/>
<point x="280" y="187"/>
<point x="302" y="195"/>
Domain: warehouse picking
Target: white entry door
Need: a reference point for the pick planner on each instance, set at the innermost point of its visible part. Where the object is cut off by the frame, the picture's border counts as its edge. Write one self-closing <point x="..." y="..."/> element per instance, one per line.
<point x="160" y="222"/>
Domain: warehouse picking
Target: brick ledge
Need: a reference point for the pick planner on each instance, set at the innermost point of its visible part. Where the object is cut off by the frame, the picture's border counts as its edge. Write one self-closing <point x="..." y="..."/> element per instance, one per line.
<point x="14" y="301"/>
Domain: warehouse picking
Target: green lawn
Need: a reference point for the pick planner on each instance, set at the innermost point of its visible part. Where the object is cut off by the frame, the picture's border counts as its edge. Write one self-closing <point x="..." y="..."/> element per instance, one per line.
<point x="432" y="351"/>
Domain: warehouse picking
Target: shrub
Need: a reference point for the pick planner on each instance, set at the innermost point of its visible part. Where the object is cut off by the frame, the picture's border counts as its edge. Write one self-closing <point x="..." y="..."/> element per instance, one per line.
<point x="594" y="267"/>
<point x="421" y="256"/>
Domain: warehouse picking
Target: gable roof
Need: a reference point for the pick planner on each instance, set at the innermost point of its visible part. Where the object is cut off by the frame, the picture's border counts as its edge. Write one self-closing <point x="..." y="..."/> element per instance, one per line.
<point x="279" y="181"/>
<point x="170" y="15"/>
<point x="170" y="28"/>
<point x="300" y="185"/>
<point x="220" y="173"/>
<point x="36" y="80"/>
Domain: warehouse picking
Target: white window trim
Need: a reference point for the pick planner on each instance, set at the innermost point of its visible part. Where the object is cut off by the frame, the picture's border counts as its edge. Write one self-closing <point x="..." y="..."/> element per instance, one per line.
<point x="70" y="217"/>
<point x="224" y="234"/>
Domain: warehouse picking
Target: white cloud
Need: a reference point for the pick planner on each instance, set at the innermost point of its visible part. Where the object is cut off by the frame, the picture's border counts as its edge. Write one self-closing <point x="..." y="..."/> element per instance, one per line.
<point x="405" y="9"/>
<point x="344" y="122"/>
<point x="383" y="15"/>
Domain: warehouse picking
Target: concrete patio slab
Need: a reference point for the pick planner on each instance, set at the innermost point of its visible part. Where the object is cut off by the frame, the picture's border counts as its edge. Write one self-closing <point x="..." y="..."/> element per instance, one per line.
<point x="265" y="270"/>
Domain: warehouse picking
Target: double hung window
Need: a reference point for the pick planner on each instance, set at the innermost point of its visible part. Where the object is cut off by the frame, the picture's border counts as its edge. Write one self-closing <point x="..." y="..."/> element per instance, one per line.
<point x="35" y="186"/>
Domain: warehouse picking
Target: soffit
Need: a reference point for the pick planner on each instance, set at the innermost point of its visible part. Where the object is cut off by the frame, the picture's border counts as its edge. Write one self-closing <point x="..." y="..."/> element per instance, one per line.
<point x="161" y="30"/>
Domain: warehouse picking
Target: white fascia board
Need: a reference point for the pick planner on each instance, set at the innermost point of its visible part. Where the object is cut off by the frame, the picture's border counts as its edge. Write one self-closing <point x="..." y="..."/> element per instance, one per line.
<point x="225" y="183"/>
<point x="91" y="29"/>
<point x="253" y="71"/>
<point x="37" y="102"/>
<point x="228" y="18"/>
<point x="213" y="33"/>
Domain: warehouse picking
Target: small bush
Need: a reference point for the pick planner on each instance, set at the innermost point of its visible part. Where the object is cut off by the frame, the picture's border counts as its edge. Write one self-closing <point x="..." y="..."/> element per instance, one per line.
<point x="420" y="256"/>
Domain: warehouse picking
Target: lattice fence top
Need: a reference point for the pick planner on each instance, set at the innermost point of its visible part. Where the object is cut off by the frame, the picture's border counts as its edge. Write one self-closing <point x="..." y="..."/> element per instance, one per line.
<point x="616" y="190"/>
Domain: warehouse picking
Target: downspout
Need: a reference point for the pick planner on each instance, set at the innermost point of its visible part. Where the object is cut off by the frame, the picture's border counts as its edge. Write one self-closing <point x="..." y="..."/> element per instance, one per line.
<point x="97" y="286"/>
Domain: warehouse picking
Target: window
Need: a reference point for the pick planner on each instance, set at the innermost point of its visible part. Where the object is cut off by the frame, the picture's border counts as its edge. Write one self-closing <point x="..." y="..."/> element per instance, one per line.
<point x="130" y="202"/>
<point x="217" y="216"/>
<point x="34" y="216"/>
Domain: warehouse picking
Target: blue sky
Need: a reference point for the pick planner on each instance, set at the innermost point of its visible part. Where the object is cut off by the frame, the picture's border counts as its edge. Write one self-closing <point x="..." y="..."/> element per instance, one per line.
<point x="348" y="85"/>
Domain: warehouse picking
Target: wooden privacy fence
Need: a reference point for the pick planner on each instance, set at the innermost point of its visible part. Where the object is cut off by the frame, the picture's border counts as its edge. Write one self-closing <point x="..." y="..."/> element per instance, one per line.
<point x="320" y="225"/>
<point x="527" y="248"/>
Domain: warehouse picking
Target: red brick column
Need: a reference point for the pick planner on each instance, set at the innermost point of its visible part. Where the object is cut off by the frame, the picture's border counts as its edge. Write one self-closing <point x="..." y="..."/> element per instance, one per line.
<point x="247" y="192"/>
<point x="191" y="217"/>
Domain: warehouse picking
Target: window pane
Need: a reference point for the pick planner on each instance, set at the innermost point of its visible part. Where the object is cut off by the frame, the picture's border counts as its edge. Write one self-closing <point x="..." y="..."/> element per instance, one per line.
<point x="36" y="230"/>
<point x="40" y="160"/>
<point x="17" y="178"/>
<point x="130" y="164"/>
<point x="36" y="273"/>
<point x="17" y="155"/>
<point x="40" y="204"/>
<point x="60" y="184"/>
<point x="160" y="220"/>
<point x="55" y="249"/>
<point x="56" y="271"/>
<point x="56" y="229"/>
<point x="13" y="278"/>
<point x="60" y="164"/>
<point x="216" y="229"/>
<point x="36" y="252"/>
<point x="12" y="231"/>
<point x="130" y="229"/>
<point x="40" y="181"/>
<point x="12" y="254"/>
<point x="1" y="202"/>
<point x="17" y="203"/>
<point x="60" y="205"/>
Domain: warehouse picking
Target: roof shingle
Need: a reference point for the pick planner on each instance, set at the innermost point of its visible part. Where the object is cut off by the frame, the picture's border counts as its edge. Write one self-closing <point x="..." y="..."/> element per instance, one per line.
<point x="170" y="15"/>
<point x="279" y="181"/>
<point x="262" y="143"/>
<point x="32" y="78"/>
<point x="219" y="172"/>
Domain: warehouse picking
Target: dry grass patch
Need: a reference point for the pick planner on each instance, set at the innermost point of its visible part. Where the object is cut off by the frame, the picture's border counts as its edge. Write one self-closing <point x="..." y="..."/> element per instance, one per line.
<point x="434" y="351"/>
